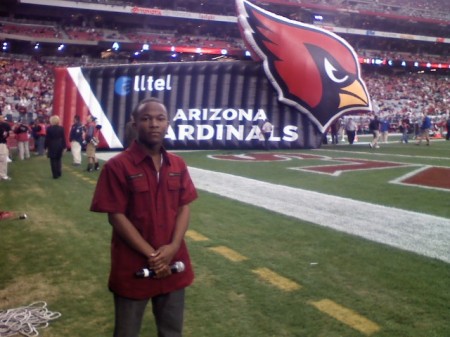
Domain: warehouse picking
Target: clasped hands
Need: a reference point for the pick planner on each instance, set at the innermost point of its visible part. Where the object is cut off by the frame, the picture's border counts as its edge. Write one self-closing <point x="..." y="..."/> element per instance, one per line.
<point x="159" y="261"/>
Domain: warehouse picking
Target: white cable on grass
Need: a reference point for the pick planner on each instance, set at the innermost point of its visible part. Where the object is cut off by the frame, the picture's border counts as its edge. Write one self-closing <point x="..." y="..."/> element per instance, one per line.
<point x="26" y="320"/>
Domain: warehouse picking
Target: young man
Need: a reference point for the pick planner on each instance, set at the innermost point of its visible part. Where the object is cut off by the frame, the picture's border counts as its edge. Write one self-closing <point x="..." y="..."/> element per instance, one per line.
<point x="146" y="192"/>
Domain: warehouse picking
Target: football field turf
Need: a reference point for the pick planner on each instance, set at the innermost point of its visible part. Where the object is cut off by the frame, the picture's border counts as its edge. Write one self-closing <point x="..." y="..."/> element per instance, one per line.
<point x="260" y="271"/>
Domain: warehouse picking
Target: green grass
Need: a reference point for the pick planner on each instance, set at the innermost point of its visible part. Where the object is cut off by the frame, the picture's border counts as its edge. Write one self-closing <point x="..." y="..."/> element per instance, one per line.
<point x="60" y="253"/>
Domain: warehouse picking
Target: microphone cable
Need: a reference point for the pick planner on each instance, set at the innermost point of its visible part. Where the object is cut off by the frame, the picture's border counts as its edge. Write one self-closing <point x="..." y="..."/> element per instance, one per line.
<point x="26" y="320"/>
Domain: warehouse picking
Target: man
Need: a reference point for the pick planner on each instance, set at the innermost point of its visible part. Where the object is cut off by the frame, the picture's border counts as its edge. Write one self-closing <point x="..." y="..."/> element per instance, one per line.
<point x="55" y="144"/>
<point x="130" y="132"/>
<point x="146" y="192"/>
<point x="40" y="129"/>
<point x="374" y="127"/>
<point x="22" y="132"/>
<point x="384" y="130"/>
<point x="447" y="136"/>
<point x="76" y="140"/>
<point x="91" y="139"/>
<point x="425" y="129"/>
<point x="267" y="129"/>
<point x="351" y="128"/>
<point x="5" y="128"/>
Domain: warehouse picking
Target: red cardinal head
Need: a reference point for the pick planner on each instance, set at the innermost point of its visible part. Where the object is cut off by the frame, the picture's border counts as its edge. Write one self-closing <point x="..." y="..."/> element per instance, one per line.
<point x="312" y="69"/>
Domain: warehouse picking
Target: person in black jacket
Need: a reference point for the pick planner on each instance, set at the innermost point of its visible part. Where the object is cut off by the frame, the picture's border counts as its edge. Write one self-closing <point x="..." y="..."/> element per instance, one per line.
<point x="55" y="143"/>
<point x="374" y="127"/>
<point x="447" y="137"/>
<point x="76" y="140"/>
<point x="5" y="128"/>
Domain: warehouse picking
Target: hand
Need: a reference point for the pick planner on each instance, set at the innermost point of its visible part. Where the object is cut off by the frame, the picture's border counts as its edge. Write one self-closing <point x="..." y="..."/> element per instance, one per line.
<point x="159" y="260"/>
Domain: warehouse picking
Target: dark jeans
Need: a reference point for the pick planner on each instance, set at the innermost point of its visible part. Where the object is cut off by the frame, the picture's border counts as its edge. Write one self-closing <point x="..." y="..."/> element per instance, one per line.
<point x="40" y="145"/>
<point x="168" y="311"/>
<point x="56" y="165"/>
<point x="266" y="140"/>
<point x="351" y="136"/>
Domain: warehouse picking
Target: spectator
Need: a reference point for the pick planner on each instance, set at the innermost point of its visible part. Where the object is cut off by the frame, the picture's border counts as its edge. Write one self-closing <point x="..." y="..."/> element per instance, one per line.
<point x="76" y="137"/>
<point x="374" y="127"/>
<point x="5" y="128"/>
<point x="447" y="137"/>
<point x="350" y="128"/>
<point x="266" y="130"/>
<point x="405" y="130"/>
<point x="55" y="143"/>
<point x="384" y="129"/>
<point x="40" y="129"/>
<point x="425" y="129"/>
<point x="91" y="139"/>
<point x="22" y="132"/>
<point x="334" y="128"/>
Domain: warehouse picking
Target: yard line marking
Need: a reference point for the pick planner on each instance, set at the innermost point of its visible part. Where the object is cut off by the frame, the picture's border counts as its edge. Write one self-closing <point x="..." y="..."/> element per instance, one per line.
<point x="229" y="253"/>
<point x="277" y="280"/>
<point x="346" y="316"/>
<point x="196" y="236"/>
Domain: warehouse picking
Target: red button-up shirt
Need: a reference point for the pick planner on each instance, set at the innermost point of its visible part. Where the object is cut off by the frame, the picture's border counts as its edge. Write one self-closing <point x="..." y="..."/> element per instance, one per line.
<point x="129" y="184"/>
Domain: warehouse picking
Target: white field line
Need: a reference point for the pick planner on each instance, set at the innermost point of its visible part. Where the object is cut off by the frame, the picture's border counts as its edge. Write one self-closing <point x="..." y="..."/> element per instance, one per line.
<point x="416" y="232"/>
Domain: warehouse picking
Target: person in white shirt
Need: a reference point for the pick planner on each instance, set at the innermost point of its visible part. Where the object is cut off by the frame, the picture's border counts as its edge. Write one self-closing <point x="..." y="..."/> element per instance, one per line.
<point x="267" y="129"/>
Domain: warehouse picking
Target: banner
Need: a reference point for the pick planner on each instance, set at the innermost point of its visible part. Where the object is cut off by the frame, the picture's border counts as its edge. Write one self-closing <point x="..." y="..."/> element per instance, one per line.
<point x="212" y="105"/>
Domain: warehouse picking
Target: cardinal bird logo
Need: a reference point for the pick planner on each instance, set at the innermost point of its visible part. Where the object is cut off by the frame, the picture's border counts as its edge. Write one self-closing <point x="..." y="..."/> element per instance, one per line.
<point x="312" y="69"/>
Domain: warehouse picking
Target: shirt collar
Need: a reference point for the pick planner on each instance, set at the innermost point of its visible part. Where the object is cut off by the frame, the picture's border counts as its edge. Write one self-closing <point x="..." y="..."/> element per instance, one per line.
<point x="139" y="154"/>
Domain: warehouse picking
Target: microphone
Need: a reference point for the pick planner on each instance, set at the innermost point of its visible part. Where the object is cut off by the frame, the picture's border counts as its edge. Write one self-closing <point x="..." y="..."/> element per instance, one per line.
<point x="177" y="267"/>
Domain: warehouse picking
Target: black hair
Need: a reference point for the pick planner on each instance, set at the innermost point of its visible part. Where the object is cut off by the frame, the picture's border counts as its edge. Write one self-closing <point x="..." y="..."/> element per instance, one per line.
<point x="144" y="102"/>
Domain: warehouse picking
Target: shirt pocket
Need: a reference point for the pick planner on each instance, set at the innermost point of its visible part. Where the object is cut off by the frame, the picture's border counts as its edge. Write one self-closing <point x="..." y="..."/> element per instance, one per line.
<point x="138" y="183"/>
<point x="174" y="182"/>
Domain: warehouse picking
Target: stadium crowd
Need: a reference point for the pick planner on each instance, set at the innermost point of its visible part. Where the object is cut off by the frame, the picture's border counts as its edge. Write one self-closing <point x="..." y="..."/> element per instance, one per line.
<point x="204" y="37"/>
<point x="434" y="9"/>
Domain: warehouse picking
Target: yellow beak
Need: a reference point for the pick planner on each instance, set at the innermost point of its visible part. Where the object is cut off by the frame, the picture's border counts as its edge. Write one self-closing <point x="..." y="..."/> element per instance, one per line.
<point x="354" y="94"/>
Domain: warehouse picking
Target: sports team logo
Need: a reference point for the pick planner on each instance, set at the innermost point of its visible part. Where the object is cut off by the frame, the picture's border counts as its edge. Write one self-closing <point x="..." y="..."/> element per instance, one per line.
<point x="312" y="69"/>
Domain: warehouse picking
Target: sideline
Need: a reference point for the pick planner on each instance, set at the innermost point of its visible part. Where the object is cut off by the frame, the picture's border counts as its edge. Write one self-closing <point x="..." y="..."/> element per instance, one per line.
<point x="411" y="231"/>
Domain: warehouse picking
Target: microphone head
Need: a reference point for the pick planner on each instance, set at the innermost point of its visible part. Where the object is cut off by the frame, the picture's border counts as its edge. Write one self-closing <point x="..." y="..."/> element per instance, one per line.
<point x="179" y="266"/>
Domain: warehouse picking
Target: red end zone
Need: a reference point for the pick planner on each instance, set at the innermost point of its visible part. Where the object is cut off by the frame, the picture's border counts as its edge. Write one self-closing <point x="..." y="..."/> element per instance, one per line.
<point x="433" y="177"/>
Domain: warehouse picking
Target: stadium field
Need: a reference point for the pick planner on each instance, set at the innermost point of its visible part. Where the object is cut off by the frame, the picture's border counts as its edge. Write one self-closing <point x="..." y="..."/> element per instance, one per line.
<point x="339" y="241"/>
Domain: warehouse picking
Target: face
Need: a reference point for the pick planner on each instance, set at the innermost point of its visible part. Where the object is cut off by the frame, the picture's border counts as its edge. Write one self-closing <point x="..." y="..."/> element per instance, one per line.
<point x="151" y="124"/>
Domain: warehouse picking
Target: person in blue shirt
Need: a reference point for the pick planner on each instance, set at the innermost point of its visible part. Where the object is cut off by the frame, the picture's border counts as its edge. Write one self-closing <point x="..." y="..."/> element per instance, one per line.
<point x="384" y="130"/>
<point x="425" y="129"/>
